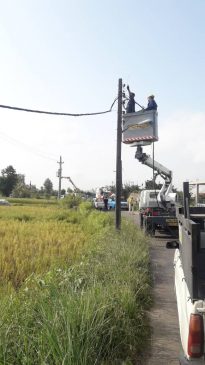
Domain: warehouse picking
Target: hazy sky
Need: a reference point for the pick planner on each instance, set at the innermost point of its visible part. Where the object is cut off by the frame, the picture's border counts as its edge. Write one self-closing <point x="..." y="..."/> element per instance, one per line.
<point x="68" y="56"/>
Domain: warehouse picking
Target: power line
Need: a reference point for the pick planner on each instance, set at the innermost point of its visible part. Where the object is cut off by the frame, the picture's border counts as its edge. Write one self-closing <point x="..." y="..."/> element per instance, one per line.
<point x="57" y="113"/>
<point x="33" y="150"/>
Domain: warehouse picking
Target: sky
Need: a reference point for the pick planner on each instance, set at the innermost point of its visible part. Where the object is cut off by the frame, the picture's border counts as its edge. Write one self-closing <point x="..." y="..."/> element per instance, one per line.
<point x="67" y="56"/>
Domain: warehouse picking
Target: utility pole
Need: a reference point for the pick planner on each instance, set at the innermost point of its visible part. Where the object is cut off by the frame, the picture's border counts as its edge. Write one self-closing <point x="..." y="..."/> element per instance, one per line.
<point x="118" y="159"/>
<point x="60" y="176"/>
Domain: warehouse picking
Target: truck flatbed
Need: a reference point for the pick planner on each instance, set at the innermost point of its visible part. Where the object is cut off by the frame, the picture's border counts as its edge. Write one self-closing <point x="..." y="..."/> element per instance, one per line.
<point x="166" y="223"/>
<point x="197" y="215"/>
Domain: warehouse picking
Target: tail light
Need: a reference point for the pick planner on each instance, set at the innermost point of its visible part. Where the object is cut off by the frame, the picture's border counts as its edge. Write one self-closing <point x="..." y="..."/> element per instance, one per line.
<point x="148" y="211"/>
<point x="196" y="336"/>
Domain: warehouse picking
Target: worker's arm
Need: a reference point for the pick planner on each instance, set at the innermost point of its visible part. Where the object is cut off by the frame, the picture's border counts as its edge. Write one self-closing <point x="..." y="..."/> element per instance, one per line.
<point x="142" y="107"/>
<point x="128" y="89"/>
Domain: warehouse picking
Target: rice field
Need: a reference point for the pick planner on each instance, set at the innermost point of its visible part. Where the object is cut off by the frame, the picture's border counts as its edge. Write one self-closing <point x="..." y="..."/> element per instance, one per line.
<point x="73" y="291"/>
<point x="34" y="239"/>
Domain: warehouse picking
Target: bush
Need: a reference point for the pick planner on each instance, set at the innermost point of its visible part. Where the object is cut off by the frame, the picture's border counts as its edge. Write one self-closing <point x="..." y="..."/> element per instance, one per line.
<point x="71" y="201"/>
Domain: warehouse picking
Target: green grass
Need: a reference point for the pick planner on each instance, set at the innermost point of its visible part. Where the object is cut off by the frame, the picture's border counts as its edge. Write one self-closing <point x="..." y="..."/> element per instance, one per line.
<point x="30" y="201"/>
<point x="92" y="311"/>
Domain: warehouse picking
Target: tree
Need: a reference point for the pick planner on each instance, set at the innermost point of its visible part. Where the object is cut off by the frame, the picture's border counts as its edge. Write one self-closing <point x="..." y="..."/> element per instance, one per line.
<point x="21" y="191"/>
<point x="127" y="189"/>
<point x="8" y="180"/>
<point x="48" y="186"/>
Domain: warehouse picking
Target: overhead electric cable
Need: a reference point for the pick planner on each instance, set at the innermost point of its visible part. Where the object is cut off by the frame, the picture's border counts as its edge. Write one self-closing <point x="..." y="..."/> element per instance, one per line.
<point x="33" y="150"/>
<point x="57" y="113"/>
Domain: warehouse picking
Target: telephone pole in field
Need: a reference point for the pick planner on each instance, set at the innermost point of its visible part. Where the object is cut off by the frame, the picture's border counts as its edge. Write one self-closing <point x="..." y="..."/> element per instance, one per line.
<point x="60" y="176"/>
<point x="118" y="159"/>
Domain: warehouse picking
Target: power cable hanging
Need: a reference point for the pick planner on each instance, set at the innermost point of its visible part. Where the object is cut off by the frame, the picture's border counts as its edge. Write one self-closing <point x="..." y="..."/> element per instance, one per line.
<point x="57" y="113"/>
<point x="23" y="145"/>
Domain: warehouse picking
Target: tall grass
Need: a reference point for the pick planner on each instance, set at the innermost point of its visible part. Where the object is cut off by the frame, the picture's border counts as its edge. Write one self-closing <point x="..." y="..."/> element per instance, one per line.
<point x="91" y="310"/>
<point x="33" y="201"/>
<point x="34" y="239"/>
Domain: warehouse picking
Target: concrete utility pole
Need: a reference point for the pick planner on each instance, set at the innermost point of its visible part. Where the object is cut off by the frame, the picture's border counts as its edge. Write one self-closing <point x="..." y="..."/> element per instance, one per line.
<point x="60" y="176"/>
<point x="118" y="159"/>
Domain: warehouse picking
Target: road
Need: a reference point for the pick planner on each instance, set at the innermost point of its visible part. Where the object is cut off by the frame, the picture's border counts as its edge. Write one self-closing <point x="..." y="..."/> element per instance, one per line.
<point x="164" y="322"/>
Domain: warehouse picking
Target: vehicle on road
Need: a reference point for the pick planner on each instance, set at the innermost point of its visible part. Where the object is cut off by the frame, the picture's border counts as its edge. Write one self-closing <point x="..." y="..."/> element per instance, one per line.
<point x="189" y="267"/>
<point x="157" y="207"/>
<point x="124" y="205"/>
<point x="4" y="202"/>
<point x="99" y="204"/>
<point x="98" y="201"/>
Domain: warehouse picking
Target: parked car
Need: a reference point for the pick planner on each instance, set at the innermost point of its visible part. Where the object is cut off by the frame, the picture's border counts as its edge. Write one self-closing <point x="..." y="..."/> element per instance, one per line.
<point x="4" y="202"/>
<point x="99" y="204"/>
<point x="124" y="205"/>
<point x="112" y="204"/>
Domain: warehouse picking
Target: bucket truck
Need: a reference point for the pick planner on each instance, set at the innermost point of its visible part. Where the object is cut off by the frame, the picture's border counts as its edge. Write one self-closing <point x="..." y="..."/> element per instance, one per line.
<point x="157" y="207"/>
<point x="189" y="275"/>
<point x="76" y="190"/>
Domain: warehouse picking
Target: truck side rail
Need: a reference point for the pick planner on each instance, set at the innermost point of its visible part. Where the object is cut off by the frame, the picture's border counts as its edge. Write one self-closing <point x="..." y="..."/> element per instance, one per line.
<point x="192" y="251"/>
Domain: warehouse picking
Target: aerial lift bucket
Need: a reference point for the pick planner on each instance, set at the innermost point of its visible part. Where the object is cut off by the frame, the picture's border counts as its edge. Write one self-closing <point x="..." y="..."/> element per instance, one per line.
<point x="141" y="126"/>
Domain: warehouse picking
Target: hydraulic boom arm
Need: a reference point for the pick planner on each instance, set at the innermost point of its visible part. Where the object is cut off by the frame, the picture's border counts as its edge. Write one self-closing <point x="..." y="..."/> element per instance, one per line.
<point x="71" y="181"/>
<point x="166" y="195"/>
<point x="159" y="169"/>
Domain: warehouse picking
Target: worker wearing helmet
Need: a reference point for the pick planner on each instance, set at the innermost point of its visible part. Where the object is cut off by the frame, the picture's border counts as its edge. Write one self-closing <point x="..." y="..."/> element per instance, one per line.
<point x="152" y="105"/>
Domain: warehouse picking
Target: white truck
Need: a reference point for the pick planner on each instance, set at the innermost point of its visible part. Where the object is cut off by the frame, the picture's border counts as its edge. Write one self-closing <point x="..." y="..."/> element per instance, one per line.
<point x="157" y="207"/>
<point x="189" y="266"/>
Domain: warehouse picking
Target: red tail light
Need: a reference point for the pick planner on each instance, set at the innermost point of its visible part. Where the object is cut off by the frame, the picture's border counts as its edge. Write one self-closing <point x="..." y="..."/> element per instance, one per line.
<point x="196" y="336"/>
<point x="148" y="211"/>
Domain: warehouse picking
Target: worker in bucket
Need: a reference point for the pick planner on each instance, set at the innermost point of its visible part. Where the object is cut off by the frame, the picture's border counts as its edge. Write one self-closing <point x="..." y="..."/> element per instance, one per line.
<point x="130" y="108"/>
<point x="152" y="105"/>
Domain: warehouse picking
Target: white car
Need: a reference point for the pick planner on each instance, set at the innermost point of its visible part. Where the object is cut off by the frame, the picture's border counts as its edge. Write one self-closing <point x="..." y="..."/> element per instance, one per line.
<point x="4" y="202"/>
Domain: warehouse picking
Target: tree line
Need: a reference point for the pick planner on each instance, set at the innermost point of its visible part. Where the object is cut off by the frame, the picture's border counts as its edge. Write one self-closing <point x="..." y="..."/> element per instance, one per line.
<point x="13" y="184"/>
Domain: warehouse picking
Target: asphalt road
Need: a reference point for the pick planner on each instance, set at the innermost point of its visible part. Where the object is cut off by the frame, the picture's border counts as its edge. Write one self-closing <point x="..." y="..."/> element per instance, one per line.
<point x="165" y="339"/>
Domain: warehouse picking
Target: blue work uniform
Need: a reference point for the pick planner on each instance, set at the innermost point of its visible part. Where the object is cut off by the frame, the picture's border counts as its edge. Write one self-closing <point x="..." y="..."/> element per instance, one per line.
<point x="131" y="105"/>
<point x="152" y="105"/>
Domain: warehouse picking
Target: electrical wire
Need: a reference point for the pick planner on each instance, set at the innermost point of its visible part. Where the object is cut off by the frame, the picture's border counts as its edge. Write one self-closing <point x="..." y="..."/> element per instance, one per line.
<point x="23" y="145"/>
<point x="57" y="113"/>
